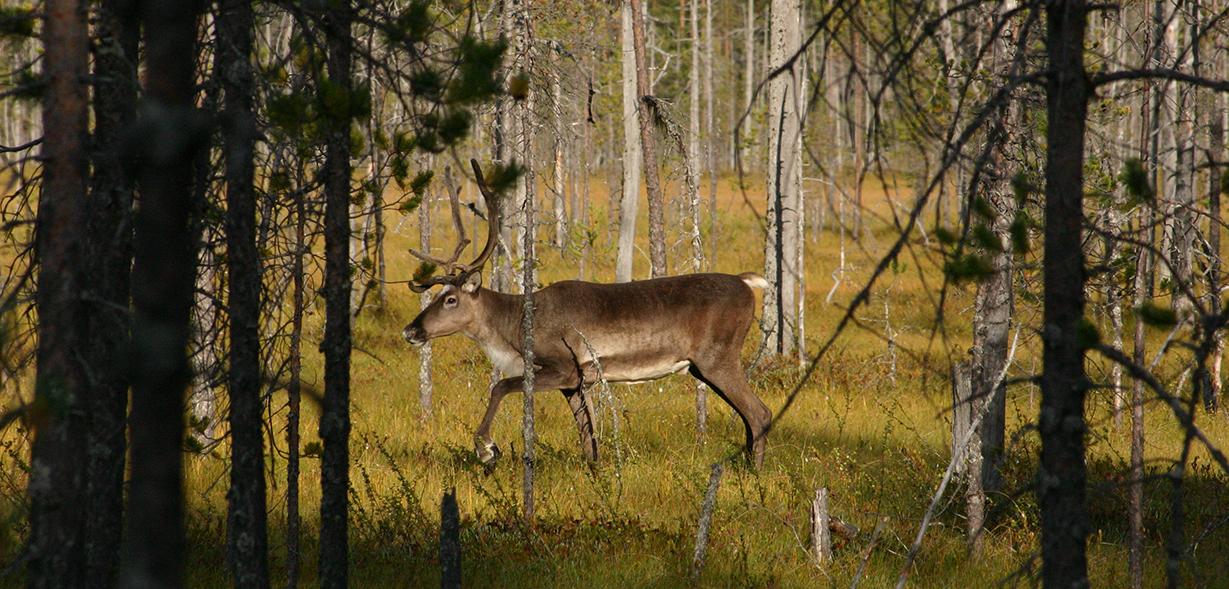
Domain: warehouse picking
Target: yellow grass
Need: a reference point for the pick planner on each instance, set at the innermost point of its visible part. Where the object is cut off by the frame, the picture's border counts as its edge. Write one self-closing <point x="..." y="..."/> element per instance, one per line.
<point x="871" y="424"/>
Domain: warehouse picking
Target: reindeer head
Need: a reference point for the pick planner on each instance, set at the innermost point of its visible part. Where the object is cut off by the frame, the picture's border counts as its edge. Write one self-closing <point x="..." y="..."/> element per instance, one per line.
<point x="454" y="309"/>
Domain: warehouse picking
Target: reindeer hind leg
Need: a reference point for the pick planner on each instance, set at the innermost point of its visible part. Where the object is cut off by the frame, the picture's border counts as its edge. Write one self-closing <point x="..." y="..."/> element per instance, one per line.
<point x="728" y="381"/>
<point x="579" y="402"/>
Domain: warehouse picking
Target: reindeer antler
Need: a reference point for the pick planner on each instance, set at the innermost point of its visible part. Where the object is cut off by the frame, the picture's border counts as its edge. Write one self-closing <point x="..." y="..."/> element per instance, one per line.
<point x="492" y="208"/>
<point x="458" y="273"/>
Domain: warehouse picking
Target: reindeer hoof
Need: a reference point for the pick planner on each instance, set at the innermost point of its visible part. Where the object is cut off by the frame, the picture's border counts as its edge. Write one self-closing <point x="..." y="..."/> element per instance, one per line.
<point x="487" y="452"/>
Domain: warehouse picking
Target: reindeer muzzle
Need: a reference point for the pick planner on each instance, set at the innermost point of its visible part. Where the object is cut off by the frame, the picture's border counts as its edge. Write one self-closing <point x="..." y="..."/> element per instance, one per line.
<point x="415" y="335"/>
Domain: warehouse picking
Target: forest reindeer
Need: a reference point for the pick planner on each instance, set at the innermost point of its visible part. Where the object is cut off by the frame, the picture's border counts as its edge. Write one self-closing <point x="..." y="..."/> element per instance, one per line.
<point x="584" y="332"/>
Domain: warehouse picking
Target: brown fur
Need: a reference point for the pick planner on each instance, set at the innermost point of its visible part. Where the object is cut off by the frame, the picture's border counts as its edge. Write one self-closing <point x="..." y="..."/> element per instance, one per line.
<point x="639" y="331"/>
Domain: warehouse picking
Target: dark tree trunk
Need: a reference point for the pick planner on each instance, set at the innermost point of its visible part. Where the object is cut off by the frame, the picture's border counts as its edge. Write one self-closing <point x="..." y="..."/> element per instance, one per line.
<point x="57" y="466"/>
<point x="335" y="414"/>
<point x="109" y="262"/>
<point x="294" y="398"/>
<point x="246" y="538"/>
<point x="652" y="182"/>
<point x="1061" y="473"/>
<point x="169" y="133"/>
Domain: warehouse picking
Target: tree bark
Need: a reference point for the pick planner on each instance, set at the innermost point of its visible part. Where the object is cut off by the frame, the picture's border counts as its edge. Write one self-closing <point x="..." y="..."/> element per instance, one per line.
<point x="560" y="192"/>
<point x="633" y="157"/>
<point x="294" y="396"/>
<point x="748" y="118"/>
<point x="783" y="164"/>
<point x="528" y="279"/>
<point x="992" y="314"/>
<point x="57" y="484"/>
<point x="1061" y="476"/>
<point x="170" y="132"/>
<point x="335" y="413"/>
<point x="1214" y="156"/>
<point x="425" y="353"/>
<point x="109" y="257"/>
<point x="693" y="141"/>
<point x="648" y="141"/>
<point x="247" y="535"/>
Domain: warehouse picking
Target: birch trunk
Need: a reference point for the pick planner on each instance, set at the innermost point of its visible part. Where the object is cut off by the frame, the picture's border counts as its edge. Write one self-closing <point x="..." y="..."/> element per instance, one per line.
<point x="632" y="154"/>
<point x="784" y="162"/>
<point x="425" y="388"/>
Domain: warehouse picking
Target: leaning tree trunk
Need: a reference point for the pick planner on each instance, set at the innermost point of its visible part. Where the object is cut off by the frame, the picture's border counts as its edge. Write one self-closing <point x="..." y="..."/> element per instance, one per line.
<point x="171" y="132"/>
<point x="335" y="413"/>
<point x="247" y="536"/>
<point x="1061" y="473"/>
<point x="648" y="142"/>
<point x="632" y="153"/>
<point x="57" y="466"/>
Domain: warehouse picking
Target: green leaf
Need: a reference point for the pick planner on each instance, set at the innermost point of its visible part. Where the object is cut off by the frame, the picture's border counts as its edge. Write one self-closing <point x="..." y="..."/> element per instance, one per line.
<point x="946" y="236"/>
<point x="1135" y="178"/>
<point x="1020" y="187"/>
<point x="288" y="112"/>
<point x="400" y="169"/>
<point x="982" y="207"/>
<point x="478" y="65"/>
<point x="1019" y="236"/>
<point x="425" y="271"/>
<point x="986" y="239"/>
<point x="501" y="178"/>
<point x="427" y="83"/>
<point x="421" y="182"/>
<point x="18" y="22"/>
<point x="334" y="100"/>
<point x="358" y="142"/>
<point x="968" y="268"/>
<point x="410" y="205"/>
<point x="312" y="449"/>
<point x="1156" y="316"/>
<point x="454" y="127"/>
<point x="1088" y="334"/>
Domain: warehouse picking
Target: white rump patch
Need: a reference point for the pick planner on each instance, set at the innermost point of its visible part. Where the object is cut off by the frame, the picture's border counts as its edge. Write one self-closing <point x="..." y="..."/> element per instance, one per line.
<point x="754" y="280"/>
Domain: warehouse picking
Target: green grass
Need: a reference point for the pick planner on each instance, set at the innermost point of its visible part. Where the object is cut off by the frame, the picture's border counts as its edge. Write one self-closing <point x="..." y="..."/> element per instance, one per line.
<point x="870" y="425"/>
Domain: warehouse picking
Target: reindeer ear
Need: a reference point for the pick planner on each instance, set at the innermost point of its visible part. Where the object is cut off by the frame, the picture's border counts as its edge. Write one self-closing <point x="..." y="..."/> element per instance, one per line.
<point x="472" y="282"/>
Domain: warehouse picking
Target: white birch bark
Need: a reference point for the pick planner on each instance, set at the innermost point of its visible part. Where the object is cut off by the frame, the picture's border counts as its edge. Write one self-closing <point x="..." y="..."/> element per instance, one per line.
<point x="784" y="163"/>
<point x="632" y="154"/>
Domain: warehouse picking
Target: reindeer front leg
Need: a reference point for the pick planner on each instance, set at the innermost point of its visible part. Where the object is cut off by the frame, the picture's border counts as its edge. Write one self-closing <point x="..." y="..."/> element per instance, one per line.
<point x="547" y="378"/>
<point x="484" y="446"/>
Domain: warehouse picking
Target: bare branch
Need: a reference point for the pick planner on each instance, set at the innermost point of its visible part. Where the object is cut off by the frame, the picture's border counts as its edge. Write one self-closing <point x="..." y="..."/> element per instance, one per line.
<point x="1162" y="74"/>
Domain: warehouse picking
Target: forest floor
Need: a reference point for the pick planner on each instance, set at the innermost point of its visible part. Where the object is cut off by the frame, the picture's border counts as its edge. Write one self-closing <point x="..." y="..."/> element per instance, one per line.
<point x="871" y="424"/>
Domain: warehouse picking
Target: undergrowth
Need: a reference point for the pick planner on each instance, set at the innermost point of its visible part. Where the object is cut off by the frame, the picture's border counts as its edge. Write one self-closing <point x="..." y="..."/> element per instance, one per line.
<point x="872" y="424"/>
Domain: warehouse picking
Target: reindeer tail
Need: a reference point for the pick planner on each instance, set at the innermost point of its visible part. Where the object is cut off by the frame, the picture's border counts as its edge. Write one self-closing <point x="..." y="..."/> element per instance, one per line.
<point x="754" y="280"/>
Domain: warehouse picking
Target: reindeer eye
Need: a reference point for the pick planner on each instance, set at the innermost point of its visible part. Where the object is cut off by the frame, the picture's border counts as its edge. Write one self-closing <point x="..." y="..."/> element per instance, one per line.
<point x="450" y="301"/>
